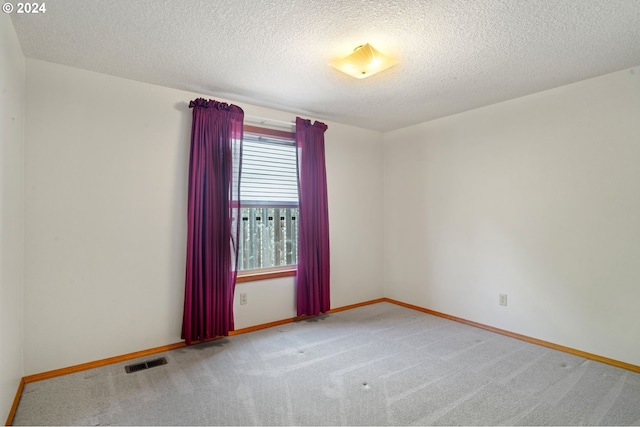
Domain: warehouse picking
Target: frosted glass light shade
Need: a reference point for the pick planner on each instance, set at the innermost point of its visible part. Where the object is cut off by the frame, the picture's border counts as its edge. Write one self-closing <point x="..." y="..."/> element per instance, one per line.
<point x="365" y="61"/>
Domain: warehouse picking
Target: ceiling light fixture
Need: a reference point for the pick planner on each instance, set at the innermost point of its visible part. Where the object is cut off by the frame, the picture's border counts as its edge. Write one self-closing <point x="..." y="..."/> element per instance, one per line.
<point x="365" y="61"/>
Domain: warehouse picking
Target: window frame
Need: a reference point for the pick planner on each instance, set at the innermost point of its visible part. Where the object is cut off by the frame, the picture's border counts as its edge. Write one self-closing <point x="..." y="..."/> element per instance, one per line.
<point x="266" y="273"/>
<point x="244" y="276"/>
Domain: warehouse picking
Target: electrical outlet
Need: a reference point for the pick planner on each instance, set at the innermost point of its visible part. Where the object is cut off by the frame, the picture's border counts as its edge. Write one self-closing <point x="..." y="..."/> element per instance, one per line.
<point x="243" y="298"/>
<point x="502" y="299"/>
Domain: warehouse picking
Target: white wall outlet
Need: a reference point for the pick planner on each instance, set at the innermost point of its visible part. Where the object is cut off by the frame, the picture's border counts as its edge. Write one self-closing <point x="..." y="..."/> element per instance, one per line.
<point x="243" y="298"/>
<point x="502" y="299"/>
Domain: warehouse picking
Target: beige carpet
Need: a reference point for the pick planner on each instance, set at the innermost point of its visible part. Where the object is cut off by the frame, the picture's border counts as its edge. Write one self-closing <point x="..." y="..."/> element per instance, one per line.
<point x="375" y="365"/>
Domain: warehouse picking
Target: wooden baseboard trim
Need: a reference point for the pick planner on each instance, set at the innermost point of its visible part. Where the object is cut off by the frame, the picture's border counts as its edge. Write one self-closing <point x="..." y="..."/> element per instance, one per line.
<point x="135" y="355"/>
<point x="261" y="326"/>
<point x="608" y="361"/>
<point x="360" y="304"/>
<point x="16" y="400"/>
<point x="143" y="353"/>
<point x="102" y="362"/>
<point x="300" y="318"/>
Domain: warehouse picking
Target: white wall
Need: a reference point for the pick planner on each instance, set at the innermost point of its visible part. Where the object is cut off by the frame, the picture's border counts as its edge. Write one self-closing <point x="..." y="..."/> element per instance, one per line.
<point x="105" y="217"/>
<point x="12" y="88"/>
<point x="537" y="197"/>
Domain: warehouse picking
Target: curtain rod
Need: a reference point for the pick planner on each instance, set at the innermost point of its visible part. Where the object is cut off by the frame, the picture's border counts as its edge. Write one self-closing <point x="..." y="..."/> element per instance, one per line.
<point x="264" y="120"/>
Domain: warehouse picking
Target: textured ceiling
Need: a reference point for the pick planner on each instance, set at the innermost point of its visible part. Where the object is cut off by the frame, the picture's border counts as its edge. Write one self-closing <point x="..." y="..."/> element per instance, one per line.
<point x="454" y="55"/>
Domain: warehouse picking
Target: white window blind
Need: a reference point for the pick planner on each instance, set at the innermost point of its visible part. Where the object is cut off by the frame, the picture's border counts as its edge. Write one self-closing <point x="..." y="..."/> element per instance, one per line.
<point x="269" y="172"/>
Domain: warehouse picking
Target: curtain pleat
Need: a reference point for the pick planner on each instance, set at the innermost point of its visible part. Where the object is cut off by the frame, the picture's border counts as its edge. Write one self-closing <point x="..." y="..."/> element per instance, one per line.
<point x="212" y="219"/>
<point x="312" y="277"/>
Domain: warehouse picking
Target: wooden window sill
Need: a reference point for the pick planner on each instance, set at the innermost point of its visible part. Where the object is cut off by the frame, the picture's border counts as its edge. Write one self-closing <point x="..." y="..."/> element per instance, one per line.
<point x="271" y="273"/>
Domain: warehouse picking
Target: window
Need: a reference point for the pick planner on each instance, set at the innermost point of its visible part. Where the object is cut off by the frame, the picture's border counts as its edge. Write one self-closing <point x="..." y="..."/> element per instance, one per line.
<point x="269" y="201"/>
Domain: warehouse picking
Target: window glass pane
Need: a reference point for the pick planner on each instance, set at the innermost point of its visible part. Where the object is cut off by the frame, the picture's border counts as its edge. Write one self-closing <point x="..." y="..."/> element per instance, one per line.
<point x="269" y="199"/>
<point x="268" y="237"/>
<point x="269" y="174"/>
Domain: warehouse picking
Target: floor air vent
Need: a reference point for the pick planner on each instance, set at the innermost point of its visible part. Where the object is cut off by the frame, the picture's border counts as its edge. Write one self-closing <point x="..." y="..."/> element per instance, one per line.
<point x="145" y="365"/>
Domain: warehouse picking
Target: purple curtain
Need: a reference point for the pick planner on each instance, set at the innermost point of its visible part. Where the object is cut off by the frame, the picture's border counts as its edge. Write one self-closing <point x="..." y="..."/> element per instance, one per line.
<point x="213" y="226"/>
<point x="312" y="277"/>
